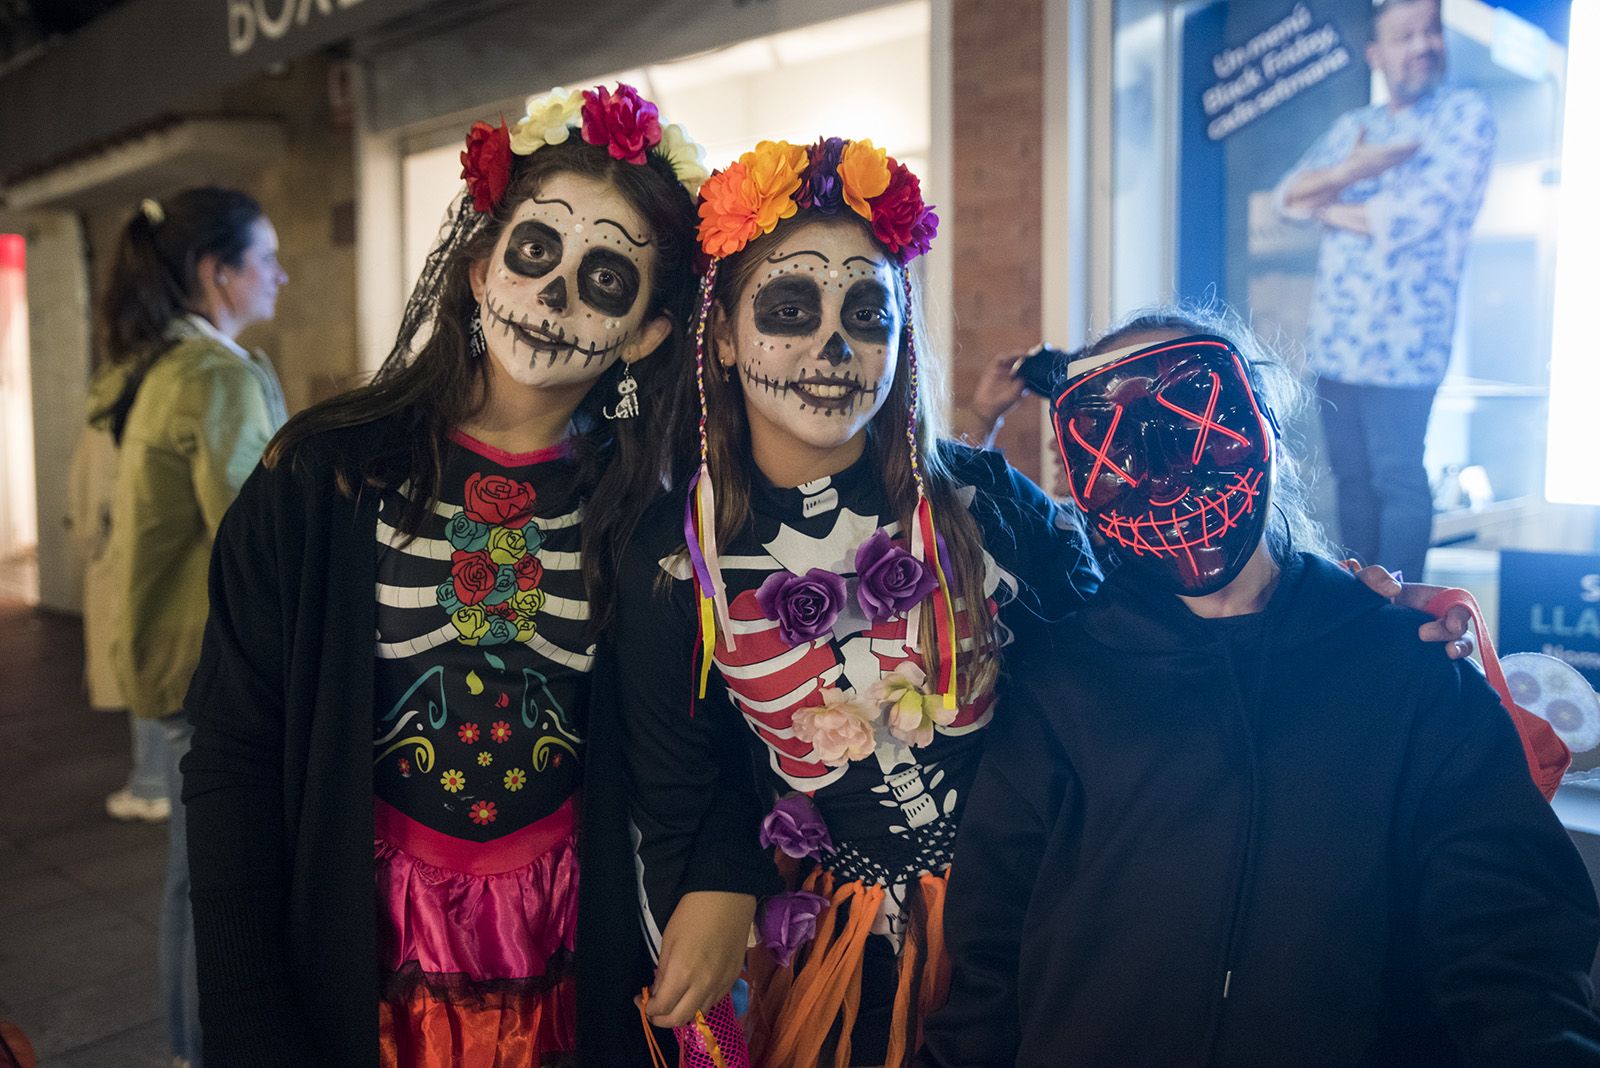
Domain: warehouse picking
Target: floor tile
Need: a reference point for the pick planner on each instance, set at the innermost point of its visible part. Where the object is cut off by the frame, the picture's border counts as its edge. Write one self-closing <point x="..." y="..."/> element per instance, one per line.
<point x="89" y="1014"/>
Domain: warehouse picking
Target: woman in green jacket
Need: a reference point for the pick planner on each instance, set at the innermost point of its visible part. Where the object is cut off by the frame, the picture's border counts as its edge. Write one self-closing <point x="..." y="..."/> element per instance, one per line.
<point x="192" y="412"/>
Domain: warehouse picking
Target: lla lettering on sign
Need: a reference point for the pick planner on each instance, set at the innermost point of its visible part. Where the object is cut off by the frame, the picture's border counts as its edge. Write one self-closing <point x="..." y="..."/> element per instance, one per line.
<point x="1550" y="603"/>
<point x="249" y="20"/>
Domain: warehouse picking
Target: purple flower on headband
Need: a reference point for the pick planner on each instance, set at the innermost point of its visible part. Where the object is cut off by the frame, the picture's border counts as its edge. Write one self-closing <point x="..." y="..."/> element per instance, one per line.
<point x="820" y="189"/>
<point x="889" y="579"/>
<point x="795" y="826"/>
<point x="788" y="921"/>
<point x="900" y="219"/>
<point x="805" y="606"/>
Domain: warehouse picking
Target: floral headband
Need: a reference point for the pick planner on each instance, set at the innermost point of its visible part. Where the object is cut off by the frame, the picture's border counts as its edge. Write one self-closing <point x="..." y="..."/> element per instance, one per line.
<point x="777" y="179"/>
<point x="749" y="198"/>
<point x="624" y="123"/>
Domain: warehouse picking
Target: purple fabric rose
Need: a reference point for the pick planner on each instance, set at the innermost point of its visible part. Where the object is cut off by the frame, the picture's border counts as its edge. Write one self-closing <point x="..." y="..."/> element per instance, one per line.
<point x="788" y="921"/>
<point x="889" y="579"/>
<point x="820" y="190"/>
<point x="805" y="606"/>
<point x="795" y="826"/>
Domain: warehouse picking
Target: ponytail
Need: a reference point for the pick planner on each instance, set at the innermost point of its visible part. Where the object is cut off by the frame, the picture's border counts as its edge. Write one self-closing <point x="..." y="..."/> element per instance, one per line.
<point x="153" y="280"/>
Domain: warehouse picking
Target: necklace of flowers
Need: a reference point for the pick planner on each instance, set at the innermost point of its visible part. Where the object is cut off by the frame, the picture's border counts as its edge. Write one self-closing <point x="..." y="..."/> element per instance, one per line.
<point x="622" y="122"/>
<point x="889" y="583"/>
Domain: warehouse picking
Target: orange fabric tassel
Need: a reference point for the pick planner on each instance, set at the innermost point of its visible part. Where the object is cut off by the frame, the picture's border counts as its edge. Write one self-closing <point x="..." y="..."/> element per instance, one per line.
<point x="823" y="986"/>
<point x="657" y="1058"/>
<point x="936" y="964"/>
<point x="794" y="1009"/>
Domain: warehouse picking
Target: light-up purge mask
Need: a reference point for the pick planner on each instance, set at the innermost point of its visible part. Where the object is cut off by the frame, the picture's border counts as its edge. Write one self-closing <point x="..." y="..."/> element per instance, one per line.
<point x="1170" y="454"/>
<point x="567" y="287"/>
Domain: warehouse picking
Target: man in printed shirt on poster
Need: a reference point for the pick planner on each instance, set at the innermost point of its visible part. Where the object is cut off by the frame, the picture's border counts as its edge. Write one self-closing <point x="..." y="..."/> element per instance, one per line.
<point x="1396" y="187"/>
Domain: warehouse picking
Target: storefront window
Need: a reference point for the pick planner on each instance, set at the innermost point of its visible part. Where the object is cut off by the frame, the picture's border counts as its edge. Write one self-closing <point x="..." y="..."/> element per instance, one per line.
<point x="1426" y="258"/>
<point x="866" y="75"/>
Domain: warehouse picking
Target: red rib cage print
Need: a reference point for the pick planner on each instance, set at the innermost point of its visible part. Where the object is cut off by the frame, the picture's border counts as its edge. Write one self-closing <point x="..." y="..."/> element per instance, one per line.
<point x="765" y="669"/>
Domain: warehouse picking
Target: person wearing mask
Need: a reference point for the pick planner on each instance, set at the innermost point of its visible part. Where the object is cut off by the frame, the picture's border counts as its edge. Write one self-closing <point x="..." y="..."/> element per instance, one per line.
<point x="1234" y="811"/>
<point x="191" y="411"/>
<point x="1395" y="187"/>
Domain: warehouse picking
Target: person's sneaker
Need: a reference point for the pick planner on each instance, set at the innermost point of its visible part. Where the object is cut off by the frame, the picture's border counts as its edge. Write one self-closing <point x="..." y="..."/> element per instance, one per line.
<point x="123" y="805"/>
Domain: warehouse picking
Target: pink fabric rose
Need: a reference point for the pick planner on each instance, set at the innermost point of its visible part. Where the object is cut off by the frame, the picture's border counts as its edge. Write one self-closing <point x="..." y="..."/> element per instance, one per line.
<point x="624" y="123"/>
<point x="839" y="730"/>
<point x="910" y="712"/>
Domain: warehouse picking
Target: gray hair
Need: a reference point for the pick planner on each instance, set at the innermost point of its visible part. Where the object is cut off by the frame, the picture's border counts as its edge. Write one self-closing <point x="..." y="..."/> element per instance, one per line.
<point x="1279" y="388"/>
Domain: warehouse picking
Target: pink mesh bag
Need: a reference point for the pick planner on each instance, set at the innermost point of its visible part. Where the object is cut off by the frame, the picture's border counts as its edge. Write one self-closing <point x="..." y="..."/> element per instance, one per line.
<point x="712" y="1039"/>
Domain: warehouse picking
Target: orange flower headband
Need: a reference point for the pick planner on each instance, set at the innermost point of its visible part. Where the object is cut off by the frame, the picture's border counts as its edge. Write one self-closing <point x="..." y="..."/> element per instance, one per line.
<point x="749" y="198"/>
<point x="777" y="179"/>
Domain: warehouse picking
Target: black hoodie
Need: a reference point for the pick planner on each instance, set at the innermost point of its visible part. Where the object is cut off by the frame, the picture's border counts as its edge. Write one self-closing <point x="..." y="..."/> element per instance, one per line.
<point x="1318" y="844"/>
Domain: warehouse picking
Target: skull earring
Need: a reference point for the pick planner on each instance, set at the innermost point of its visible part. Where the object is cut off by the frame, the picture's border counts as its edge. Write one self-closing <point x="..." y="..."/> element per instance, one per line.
<point x="627" y="406"/>
<point x="477" y="344"/>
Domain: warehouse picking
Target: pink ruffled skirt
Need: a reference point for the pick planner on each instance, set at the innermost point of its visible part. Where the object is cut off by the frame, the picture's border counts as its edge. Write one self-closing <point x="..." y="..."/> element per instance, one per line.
<point x="476" y="940"/>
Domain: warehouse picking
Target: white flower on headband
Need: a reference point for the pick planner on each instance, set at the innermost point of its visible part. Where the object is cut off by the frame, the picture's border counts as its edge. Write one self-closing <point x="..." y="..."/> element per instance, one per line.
<point x="687" y="156"/>
<point x="152" y="211"/>
<point x="550" y="119"/>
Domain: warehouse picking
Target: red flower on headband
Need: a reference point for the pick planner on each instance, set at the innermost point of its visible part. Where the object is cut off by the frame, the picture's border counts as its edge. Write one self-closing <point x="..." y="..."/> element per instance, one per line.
<point x="624" y="123"/>
<point x="900" y="219"/>
<point x="486" y="164"/>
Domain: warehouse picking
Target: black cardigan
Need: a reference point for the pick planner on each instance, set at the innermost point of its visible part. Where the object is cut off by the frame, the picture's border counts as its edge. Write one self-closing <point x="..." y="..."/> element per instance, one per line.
<point x="1324" y="849"/>
<point x="278" y="787"/>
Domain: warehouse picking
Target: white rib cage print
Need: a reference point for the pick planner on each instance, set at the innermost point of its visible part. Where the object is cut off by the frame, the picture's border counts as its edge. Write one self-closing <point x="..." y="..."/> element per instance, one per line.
<point x="410" y="597"/>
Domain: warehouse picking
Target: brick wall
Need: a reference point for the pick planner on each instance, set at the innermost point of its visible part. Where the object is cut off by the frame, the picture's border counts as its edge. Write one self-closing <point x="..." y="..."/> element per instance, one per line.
<point x="998" y="79"/>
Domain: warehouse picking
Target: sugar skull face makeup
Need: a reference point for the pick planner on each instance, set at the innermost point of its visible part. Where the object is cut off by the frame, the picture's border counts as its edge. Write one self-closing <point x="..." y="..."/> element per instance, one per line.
<point x="566" y="291"/>
<point x="1168" y="451"/>
<point x="816" y="336"/>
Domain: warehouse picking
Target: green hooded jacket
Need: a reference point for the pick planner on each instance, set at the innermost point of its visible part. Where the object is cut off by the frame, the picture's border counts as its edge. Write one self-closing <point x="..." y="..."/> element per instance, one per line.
<point x="198" y="425"/>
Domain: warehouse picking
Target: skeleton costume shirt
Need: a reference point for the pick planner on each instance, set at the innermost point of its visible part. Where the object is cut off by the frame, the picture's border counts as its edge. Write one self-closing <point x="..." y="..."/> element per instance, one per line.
<point x="817" y="642"/>
<point x="482" y="665"/>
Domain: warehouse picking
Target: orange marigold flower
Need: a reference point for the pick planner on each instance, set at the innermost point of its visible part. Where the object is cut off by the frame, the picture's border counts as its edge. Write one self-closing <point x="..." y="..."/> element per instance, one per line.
<point x="864" y="174"/>
<point x="727" y="218"/>
<point x="772" y="177"/>
<point x="750" y="196"/>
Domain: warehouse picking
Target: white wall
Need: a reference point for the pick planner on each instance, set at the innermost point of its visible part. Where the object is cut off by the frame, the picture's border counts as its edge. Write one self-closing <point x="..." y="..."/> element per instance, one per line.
<point x="58" y="329"/>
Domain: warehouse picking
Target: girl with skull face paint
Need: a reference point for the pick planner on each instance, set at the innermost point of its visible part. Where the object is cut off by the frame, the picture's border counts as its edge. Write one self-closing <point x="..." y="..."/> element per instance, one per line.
<point x="408" y="810"/>
<point x="831" y="586"/>
<point x="1330" y="827"/>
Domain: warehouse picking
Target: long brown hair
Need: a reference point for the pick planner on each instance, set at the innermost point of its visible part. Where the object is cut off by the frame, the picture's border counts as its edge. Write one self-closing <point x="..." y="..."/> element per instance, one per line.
<point x="432" y="386"/>
<point x="728" y="443"/>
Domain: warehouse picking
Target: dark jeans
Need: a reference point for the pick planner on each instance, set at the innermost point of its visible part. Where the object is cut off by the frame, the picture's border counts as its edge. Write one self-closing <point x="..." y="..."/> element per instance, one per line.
<point x="180" y="993"/>
<point x="1374" y="436"/>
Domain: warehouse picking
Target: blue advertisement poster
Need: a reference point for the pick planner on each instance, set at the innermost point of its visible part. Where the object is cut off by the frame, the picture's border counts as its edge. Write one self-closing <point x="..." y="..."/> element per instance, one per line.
<point x="1550" y="603"/>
